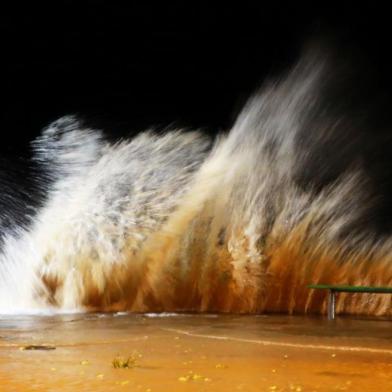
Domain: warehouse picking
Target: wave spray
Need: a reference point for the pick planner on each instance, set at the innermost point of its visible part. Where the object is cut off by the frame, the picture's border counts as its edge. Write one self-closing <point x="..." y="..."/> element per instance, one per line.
<point x="177" y="222"/>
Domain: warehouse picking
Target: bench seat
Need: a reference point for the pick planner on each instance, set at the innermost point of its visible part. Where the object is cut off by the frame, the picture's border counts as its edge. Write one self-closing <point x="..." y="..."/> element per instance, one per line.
<point x="333" y="289"/>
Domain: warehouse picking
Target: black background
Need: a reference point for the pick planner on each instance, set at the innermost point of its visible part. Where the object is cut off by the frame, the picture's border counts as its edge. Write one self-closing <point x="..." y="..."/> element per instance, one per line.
<point x="135" y="65"/>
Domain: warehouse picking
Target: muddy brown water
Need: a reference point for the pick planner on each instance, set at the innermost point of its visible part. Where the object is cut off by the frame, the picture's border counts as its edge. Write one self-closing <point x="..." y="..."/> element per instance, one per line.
<point x="185" y="352"/>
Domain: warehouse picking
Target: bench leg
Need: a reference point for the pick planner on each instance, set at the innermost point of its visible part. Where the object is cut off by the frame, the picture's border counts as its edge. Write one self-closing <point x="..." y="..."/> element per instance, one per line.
<point x="331" y="304"/>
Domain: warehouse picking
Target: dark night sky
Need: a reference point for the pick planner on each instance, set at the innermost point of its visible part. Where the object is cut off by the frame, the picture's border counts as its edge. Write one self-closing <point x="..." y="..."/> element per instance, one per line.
<point x="135" y="66"/>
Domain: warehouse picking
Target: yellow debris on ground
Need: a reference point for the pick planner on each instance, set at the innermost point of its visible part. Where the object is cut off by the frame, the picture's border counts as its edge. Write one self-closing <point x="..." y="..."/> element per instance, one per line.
<point x="126" y="363"/>
<point x="221" y="366"/>
<point x="193" y="377"/>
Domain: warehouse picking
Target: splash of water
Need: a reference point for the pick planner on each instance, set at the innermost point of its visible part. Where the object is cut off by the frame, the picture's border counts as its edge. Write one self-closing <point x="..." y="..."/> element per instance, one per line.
<point x="172" y="223"/>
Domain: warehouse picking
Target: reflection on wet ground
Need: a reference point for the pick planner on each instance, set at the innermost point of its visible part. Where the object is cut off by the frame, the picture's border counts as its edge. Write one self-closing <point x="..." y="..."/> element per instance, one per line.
<point x="188" y="352"/>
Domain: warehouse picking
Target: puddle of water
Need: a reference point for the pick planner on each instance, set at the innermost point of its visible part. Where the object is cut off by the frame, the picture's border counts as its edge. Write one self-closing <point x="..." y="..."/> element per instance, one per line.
<point x="175" y="352"/>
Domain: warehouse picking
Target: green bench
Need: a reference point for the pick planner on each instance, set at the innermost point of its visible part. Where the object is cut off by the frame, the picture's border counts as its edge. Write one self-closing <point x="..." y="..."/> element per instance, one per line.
<point x="333" y="289"/>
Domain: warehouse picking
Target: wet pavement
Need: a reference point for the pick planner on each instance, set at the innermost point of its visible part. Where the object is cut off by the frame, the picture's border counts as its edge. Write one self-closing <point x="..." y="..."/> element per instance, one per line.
<point x="185" y="352"/>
